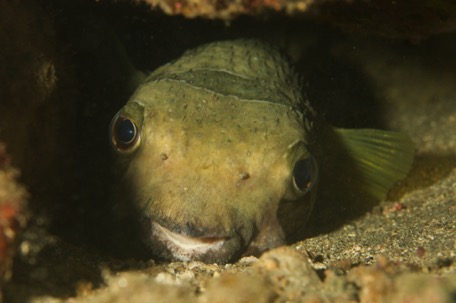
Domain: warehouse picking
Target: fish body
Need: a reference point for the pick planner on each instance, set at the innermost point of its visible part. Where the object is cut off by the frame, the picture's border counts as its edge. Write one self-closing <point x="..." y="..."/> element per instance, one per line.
<point x="215" y="142"/>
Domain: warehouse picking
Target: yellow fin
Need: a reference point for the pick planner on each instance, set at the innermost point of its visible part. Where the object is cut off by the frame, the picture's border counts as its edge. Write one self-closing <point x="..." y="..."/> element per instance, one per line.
<point x="380" y="157"/>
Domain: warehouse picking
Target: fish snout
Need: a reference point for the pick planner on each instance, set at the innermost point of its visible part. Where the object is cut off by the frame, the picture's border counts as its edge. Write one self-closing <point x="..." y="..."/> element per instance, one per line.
<point x="211" y="245"/>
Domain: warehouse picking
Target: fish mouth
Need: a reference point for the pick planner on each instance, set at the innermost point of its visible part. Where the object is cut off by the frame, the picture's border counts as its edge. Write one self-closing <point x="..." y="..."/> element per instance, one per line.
<point x="183" y="247"/>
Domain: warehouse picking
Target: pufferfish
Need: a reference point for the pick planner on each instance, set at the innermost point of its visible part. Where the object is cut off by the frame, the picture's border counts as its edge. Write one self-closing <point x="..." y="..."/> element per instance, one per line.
<point x="215" y="143"/>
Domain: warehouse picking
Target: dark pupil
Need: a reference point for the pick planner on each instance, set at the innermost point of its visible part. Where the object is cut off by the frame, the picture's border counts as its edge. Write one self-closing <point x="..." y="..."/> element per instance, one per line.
<point x="126" y="131"/>
<point x="302" y="174"/>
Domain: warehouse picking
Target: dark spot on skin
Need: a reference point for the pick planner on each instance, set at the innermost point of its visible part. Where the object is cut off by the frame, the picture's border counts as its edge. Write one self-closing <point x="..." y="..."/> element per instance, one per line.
<point x="319" y="258"/>
<point x="399" y="206"/>
<point x="163" y="156"/>
<point x="420" y="251"/>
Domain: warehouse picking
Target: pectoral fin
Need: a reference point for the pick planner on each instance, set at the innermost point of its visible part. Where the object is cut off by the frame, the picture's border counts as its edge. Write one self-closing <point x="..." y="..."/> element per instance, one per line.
<point x="380" y="157"/>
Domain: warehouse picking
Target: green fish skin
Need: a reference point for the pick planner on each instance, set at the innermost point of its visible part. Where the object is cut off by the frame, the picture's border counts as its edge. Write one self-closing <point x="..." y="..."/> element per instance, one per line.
<point x="220" y="149"/>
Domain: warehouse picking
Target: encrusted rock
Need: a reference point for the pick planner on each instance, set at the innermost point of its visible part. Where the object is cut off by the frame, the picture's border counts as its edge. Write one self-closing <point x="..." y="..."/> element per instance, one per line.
<point x="13" y="197"/>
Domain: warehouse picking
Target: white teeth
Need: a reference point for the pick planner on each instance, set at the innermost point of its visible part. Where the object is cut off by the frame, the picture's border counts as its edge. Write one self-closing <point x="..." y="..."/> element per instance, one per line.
<point x="184" y="247"/>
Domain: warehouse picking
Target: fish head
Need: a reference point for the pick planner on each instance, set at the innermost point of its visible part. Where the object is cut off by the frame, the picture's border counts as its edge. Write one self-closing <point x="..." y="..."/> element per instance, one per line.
<point x="207" y="173"/>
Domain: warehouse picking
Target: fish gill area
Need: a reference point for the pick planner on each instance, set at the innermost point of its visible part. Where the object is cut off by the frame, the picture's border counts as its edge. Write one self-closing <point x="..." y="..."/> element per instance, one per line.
<point x="64" y="75"/>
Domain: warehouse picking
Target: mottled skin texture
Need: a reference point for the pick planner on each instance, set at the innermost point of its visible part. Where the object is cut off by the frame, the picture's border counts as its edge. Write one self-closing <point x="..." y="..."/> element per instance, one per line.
<point x="220" y="129"/>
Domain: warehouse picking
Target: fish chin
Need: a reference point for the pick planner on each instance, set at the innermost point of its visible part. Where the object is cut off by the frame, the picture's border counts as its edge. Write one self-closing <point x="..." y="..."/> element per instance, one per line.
<point x="183" y="247"/>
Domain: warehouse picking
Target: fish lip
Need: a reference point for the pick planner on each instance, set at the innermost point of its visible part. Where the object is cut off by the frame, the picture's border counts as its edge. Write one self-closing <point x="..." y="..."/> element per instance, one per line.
<point x="185" y="247"/>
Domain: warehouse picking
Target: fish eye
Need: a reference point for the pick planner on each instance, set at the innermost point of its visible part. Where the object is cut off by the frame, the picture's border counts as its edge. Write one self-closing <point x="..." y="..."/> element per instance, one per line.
<point x="305" y="174"/>
<point x="124" y="134"/>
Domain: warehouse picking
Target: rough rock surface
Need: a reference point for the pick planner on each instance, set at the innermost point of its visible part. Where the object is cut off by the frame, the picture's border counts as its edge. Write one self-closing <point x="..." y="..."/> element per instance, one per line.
<point x="396" y="19"/>
<point x="13" y="214"/>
